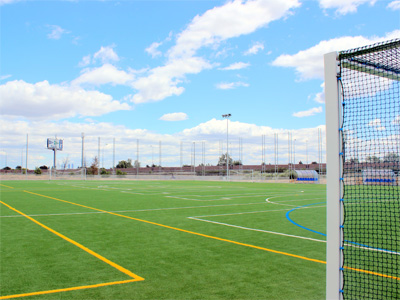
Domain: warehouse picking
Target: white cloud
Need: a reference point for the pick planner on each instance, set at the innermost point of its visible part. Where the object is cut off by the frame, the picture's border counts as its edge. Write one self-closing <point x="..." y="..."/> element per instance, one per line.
<point x="153" y="49"/>
<point x="320" y="97"/>
<point x="43" y="101"/>
<point x="233" y="19"/>
<point x="377" y="123"/>
<point x="230" y="85"/>
<point x="106" y="74"/>
<point x="56" y="32"/>
<point x="4" y="77"/>
<point x="180" y="116"/>
<point x="255" y="48"/>
<point x="309" y="63"/>
<point x="344" y="6"/>
<point x="230" y="20"/>
<point x="236" y="66"/>
<point x="86" y="60"/>
<point x="2" y="2"/>
<point x="13" y="136"/>
<point x="394" y="5"/>
<point x="162" y="81"/>
<point x="308" y="113"/>
<point x="106" y="55"/>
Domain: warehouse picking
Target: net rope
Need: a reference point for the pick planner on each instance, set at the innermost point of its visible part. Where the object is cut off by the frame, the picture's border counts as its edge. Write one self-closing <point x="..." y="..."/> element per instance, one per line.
<point x="370" y="168"/>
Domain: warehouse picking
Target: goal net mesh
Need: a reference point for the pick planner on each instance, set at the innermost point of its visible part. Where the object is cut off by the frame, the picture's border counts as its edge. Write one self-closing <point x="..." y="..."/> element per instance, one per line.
<point x="369" y="79"/>
<point x="73" y="174"/>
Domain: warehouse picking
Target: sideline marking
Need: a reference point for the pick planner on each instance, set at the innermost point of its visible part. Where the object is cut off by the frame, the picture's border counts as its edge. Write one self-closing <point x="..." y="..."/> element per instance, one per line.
<point x="102" y="258"/>
<point x="6" y="186"/>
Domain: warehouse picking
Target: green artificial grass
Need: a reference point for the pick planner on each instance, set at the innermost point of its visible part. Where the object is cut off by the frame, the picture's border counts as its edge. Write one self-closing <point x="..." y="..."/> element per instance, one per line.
<point x="187" y="239"/>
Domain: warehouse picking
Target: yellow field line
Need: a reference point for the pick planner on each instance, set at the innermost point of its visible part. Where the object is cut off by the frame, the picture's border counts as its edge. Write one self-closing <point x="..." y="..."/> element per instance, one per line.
<point x="187" y="231"/>
<point x="107" y="261"/>
<point x="372" y="273"/>
<point x="6" y="186"/>
<point x="68" y="289"/>
<point x="102" y="258"/>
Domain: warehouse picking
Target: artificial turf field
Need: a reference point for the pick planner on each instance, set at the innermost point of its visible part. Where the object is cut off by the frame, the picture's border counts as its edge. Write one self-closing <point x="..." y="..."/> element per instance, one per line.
<point x="162" y="240"/>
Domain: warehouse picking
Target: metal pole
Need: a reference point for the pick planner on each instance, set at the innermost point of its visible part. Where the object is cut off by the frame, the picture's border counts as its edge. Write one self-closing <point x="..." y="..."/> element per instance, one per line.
<point x="83" y="149"/>
<point x="160" y="156"/>
<point x="98" y="156"/>
<point x="227" y="144"/>
<point x="194" y="158"/>
<point x="114" y="155"/>
<point x="294" y="155"/>
<point x="307" y="152"/>
<point x="288" y="141"/>
<point x="55" y="153"/>
<point x="181" y="155"/>
<point x="26" y="171"/>
<point x="137" y="157"/>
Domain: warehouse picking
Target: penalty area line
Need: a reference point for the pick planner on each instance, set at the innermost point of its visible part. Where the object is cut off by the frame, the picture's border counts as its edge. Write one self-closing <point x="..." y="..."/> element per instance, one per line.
<point x="76" y="288"/>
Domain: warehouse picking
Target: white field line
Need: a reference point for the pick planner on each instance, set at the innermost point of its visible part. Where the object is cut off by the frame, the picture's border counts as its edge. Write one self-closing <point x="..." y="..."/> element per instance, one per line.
<point x="137" y="210"/>
<point x="258" y="230"/>
<point x="234" y="196"/>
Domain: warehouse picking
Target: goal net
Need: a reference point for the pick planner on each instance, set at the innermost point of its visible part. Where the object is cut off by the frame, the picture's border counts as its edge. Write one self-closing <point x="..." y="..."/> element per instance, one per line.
<point x="363" y="256"/>
<point x="68" y="174"/>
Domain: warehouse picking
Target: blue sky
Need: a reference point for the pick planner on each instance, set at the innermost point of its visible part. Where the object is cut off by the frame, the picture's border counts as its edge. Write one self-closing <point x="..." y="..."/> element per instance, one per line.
<point x="167" y="70"/>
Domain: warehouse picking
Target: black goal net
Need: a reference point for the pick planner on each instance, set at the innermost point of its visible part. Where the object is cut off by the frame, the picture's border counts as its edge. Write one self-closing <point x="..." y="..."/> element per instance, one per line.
<point x="369" y="79"/>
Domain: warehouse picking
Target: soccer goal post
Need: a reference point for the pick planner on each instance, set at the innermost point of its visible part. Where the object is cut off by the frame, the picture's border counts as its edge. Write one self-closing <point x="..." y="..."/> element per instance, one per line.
<point x="363" y="198"/>
<point x="67" y="174"/>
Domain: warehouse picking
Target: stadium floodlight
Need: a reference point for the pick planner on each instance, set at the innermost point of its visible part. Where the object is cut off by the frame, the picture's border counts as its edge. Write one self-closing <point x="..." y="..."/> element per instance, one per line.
<point x="363" y="199"/>
<point x="227" y="116"/>
<point x="55" y="144"/>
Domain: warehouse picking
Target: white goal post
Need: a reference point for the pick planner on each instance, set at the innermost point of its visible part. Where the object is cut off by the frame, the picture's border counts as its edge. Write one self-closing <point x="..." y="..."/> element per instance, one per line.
<point x="67" y="174"/>
<point x="333" y="161"/>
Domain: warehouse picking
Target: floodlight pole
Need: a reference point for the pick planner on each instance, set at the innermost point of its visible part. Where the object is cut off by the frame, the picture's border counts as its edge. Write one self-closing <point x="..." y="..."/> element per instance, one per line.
<point x="307" y="152"/>
<point x="227" y="116"/>
<point x="55" y="154"/>
<point x="83" y="149"/>
<point x="294" y="155"/>
<point x="26" y="173"/>
<point x="114" y="156"/>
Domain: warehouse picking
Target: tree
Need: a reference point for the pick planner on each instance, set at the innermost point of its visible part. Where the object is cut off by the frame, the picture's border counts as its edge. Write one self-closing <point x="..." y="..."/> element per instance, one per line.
<point x="38" y="171"/>
<point x="94" y="167"/>
<point x="391" y="157"/>
<point x="237" y="163"/>
<point x="222" y="160"/>
<point x="372" y="159"/>
<point x="44" y="167"/>
<point x="353" y="160"/>
<point x="123" y="164"/>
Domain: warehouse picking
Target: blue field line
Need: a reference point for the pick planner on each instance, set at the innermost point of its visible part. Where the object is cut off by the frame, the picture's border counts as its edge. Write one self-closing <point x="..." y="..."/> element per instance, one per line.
<point x="324" y="234"/>
<point x="298" y="225"/>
